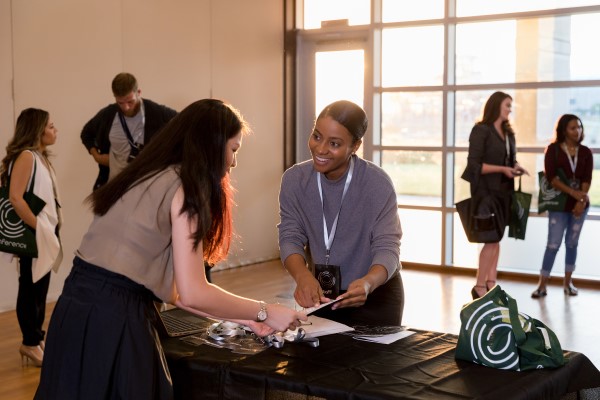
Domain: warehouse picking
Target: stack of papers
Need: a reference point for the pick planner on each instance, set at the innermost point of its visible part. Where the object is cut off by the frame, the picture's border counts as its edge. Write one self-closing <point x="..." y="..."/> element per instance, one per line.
<point x="380" y="334"/>
<point x="317" y="326"/>
<point x="385" y="339"/>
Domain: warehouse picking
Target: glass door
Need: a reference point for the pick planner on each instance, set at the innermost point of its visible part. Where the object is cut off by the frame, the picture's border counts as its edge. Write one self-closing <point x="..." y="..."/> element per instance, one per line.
<point x="330" y="71"/>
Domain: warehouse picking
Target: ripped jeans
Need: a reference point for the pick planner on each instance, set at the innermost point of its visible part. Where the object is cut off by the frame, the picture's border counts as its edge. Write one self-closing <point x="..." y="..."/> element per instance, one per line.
<point x="558" y="223"/>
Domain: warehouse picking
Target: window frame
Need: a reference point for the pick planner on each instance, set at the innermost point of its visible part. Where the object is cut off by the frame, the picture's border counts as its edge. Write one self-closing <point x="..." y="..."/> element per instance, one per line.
<point x="308" y="40"/>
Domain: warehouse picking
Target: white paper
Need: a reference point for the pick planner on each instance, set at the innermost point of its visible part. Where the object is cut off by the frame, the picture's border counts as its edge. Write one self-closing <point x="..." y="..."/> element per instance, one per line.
<point x="310" y="310"/>
<point x="384" y="339"/>
<point x="317" y="326"/>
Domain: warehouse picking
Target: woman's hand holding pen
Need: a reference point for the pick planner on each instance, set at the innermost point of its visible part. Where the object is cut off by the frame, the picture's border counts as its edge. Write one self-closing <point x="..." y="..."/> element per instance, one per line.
<point x="282" y="318"/>
<point x="259" y="328"/>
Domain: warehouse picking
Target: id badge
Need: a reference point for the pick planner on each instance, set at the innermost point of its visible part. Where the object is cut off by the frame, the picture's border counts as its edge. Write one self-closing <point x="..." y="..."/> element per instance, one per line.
<point x="329" y="278"/>
<point x="574" y="183"/>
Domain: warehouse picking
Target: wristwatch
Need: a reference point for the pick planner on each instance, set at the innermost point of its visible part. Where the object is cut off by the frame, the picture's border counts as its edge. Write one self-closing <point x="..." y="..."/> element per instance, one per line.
<point x="262" y="314"/>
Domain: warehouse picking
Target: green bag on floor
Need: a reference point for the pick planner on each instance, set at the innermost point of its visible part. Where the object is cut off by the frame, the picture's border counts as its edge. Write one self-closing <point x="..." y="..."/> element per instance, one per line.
<point x="495" y="334"/>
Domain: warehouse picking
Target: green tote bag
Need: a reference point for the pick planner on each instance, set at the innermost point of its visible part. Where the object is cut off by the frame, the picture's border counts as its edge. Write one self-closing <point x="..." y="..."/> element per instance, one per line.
<point x="495" y="334"/>
<point x="519" y="213"/>
<point x="549" y="198"/>
<point x="15" y="236"/>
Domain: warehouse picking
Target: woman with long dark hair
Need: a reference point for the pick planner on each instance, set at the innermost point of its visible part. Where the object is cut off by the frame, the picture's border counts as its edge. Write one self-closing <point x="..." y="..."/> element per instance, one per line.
<point x="27" y="160"/>
<point x="491" y="168"/>
<point x="155" y="224"/>
<point x="577" y="162"/>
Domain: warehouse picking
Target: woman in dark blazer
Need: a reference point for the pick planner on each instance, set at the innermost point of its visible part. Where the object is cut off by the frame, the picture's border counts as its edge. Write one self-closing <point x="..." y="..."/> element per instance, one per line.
<point x="491" y="169"/>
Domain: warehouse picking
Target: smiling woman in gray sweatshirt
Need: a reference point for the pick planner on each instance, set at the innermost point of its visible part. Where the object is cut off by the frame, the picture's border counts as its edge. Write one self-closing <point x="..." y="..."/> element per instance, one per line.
<point x="354" y="202"/>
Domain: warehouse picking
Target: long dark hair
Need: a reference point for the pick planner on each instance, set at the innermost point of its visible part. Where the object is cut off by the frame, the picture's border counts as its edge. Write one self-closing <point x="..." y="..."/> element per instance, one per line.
<point x="491" y="111"/>
<point x="30" y="127"/>
<point x="348" y="114"/>
<point x="194" y="141"/>
<point x="561" y="127"/>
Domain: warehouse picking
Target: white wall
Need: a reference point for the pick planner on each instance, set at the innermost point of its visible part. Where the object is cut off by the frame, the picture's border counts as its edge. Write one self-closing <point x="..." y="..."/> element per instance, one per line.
<point x="62" y="55"/>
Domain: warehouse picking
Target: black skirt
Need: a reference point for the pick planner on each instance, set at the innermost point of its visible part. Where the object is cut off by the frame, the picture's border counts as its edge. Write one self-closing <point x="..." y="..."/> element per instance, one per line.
<point x="101" y="341"/>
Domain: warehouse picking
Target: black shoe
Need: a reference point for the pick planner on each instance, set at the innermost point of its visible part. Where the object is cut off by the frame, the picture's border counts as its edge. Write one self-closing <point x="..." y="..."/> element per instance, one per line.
<point x="539" y="293"/>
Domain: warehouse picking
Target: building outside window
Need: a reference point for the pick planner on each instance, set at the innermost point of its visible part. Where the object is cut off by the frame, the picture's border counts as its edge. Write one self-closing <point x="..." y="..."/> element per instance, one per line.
<point x="422" y="71"/>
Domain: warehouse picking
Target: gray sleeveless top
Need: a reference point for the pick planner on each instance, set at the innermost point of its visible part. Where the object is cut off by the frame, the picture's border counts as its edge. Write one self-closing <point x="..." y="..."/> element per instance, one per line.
<point x="134" y="237"/>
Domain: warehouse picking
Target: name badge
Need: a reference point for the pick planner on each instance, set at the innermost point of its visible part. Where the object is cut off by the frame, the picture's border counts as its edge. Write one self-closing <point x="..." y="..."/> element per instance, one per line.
<point x="329" y="278"/>
<point x="574" y="183"/>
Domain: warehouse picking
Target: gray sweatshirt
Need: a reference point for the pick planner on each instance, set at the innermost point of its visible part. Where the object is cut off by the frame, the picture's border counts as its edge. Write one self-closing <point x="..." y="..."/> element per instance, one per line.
<point x="368" y="230"/>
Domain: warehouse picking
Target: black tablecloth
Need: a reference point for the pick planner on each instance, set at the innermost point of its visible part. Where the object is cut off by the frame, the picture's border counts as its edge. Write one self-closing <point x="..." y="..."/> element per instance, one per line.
<point x="421" y="366"/>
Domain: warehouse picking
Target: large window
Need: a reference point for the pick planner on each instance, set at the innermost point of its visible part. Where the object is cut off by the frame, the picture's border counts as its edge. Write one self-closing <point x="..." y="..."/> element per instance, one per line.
<point x="426" y="68"/>
<point x="410" y="62"/>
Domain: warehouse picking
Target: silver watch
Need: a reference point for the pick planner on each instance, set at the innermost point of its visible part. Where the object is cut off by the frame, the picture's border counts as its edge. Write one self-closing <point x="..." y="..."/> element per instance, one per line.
<point x="262" y="314"/>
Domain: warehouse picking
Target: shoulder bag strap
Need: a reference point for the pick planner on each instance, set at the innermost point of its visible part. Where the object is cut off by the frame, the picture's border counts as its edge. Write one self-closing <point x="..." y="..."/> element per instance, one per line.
<point x="520" y="336"/>
<point x="559" y="171"/>
<point x="491" y="131"/>
<point x="513" y="313"/>
<point x="508" y="152"/>
<point x="31" y="178"/>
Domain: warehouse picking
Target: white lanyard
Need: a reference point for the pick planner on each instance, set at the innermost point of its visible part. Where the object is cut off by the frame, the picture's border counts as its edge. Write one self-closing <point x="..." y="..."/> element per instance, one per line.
<point x="572" y="161"/>
<point x="329" y="237"/>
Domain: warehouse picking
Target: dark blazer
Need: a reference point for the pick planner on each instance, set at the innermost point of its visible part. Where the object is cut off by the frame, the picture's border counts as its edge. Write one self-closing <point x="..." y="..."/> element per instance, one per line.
<point x="96" y="130"/>
<point x="486" y="146"/>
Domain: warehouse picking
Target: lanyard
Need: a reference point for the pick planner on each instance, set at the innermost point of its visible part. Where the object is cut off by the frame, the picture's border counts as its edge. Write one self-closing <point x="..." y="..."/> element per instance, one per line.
<point x="130" y="139"/>
<point x="326" y="236"/>
<point x="508" y="158"/>
<point x="572" y="161"/>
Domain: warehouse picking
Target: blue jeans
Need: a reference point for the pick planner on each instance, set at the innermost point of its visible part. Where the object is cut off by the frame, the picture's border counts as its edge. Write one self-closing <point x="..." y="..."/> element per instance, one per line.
<point x="558" y="223"/>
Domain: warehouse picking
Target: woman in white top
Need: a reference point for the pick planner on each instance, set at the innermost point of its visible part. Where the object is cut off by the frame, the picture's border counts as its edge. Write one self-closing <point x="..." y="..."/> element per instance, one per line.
<point x="26" y="154"/>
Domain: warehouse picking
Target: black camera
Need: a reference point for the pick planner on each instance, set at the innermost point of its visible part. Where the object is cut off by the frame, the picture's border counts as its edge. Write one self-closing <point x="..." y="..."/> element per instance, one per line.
<point x="329" y="278"/>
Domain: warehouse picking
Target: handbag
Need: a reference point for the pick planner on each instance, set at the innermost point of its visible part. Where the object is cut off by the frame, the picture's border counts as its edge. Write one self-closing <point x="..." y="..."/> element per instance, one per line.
<point x="550" y="198"/>
<point x="519" y="213"/>
<point x="480" y="219"/>
<point x="16" y="237"/>
<point x="495" y="334"/>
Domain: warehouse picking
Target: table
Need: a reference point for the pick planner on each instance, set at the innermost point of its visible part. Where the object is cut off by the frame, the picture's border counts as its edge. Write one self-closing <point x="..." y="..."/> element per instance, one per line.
<point x="421" y="366"/>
